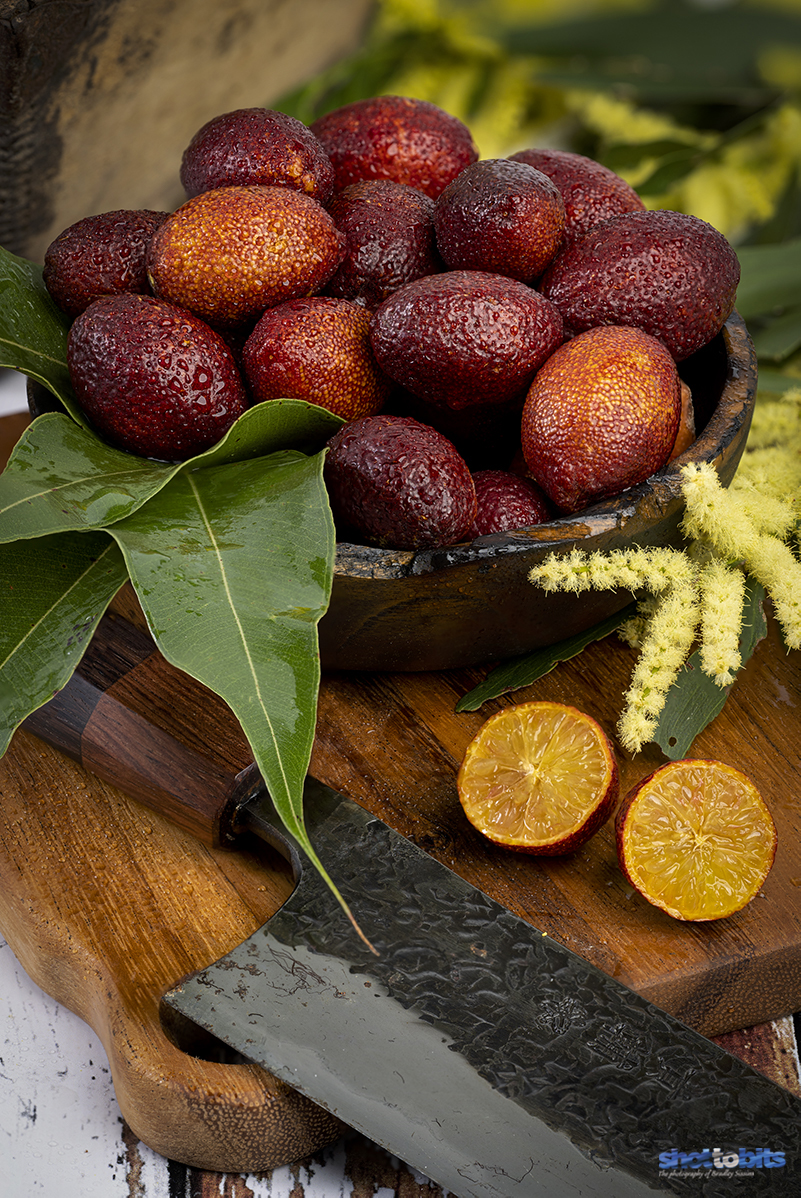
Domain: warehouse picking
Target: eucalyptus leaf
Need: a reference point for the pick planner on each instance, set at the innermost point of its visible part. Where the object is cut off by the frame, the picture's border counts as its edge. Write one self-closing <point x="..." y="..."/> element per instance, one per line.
<point x="62" y="477"/>
<point x="233" y="566"/>
<point x="770" y="278"/>
<point x="52" y="594"/>
<point x="695" y="699"/>
<point x="776" y="339"/>
<point x="33" y="331"/>
<point x="522" y="671"/>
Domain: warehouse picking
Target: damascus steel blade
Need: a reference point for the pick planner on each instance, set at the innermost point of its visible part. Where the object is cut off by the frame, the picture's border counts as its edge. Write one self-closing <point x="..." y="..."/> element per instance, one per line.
<point x="474" y="1047"/>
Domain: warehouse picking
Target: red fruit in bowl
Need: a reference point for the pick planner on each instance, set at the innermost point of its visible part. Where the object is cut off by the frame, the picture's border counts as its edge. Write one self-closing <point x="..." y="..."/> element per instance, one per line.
<point x="399" y="483"/>
<point x="317" y="349"/>
<point x="100" y="255"/>
<point x="257" y="145"/>
<point x="672" y="275"/>
<point x="506" y="502"/>
<point x="394" y="137"/>
<point x="465" y="337"/>
<point x="591" y="192"/>
<point x="153" y="379"/>
<point x="502" y="217"/>
<point x="390" y="234"/>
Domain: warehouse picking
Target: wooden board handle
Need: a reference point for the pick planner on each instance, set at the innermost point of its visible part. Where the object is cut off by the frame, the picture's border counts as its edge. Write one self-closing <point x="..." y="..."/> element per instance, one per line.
<point x="152" y="731"/>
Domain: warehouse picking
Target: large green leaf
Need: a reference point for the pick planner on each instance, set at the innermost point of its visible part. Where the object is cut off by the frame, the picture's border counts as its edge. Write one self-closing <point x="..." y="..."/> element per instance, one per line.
<point x="33" y="331"/>
<point x="671" y="51"/>
<point x="61" y="476"/>
<point x="233" y="566"/>
<point x="770" y="278"/>
<point x="52" y="594"/>
<point x="695" y="699"/>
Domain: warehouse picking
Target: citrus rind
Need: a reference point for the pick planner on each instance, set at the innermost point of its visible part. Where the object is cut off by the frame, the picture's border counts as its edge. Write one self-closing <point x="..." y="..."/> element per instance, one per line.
<point x="539" y="777"/>
<point x="696" y="839"/>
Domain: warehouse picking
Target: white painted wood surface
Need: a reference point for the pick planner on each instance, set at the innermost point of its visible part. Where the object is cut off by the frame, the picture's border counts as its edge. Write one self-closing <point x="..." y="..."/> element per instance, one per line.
<point x="61" y="1132"/>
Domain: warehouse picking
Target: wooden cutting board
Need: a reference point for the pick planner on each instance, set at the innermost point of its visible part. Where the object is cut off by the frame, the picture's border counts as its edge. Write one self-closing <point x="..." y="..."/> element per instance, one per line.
<point x="107" y="906"/>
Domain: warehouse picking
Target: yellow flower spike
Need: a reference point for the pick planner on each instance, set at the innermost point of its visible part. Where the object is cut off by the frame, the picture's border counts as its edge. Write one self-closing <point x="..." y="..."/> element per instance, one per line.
<point x="722" y="591"/>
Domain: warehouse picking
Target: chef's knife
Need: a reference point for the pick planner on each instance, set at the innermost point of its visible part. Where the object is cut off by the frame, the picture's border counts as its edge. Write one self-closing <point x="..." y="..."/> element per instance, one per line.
<point x="472" y="1046"/>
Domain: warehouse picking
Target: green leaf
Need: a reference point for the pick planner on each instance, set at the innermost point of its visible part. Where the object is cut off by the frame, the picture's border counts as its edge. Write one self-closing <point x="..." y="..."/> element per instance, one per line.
<point x="770" y="278"/>
<point x="233" y="567"/>
<point x="695" y="699"/>
<point x="779" y="337"/>
<point x="33" y="331"/>
<point x="52" y="595"/>
<point x="522" y="671"/>
<point x="61" y="477"/>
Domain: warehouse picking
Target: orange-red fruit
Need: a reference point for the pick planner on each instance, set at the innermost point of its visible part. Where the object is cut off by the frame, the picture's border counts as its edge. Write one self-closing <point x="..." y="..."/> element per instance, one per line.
<point x="673" y="275"/>
<point x="400" y="484"/>
<point x="539" y="778"/>
<point x="592" y="193"/>
<point x="394" y="137"/>
<point x="465" y="337"/>
<point x="257" y="145"/>
<point x="500" y="216"/>
<point x="696" y="839"/>
<point x="316" y="349"/>
<point x="229" y="253"/>
<point x="600" y="416"/>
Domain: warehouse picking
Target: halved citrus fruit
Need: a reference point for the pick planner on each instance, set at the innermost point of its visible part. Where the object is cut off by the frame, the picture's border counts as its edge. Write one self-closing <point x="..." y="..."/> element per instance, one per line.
<point x="539" y="777"/>
<point x="696" y="839"/>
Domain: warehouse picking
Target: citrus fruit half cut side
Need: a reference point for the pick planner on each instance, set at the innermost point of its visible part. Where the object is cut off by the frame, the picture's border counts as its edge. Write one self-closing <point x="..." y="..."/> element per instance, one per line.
<point x="696" y="839"/>
<point x="539" y="777"/>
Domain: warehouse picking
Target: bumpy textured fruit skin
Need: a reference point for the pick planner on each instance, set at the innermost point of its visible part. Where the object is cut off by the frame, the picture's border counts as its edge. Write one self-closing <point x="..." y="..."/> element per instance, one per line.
<point x="592" y="193"/>
<point x="153" y="378"/>
<point x="465" y="337"/>
<point x="100" y="255"/>
<point x="390" y="234"/>
<point x="257" y="145"/>
<point x="230" y="253"/>
<point x="399" y="483"/>
<point x="500" y="216"/>
<point x="600" y="416"/>
<point x="394" y="137"/>
<point x="506" y="502"/>
<point x="673" y="275"/>
<point x="316" y="349"/>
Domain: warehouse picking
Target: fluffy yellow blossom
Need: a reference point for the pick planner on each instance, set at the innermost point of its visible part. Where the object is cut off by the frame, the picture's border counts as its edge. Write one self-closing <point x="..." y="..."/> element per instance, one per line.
<point x="722" y="591"/>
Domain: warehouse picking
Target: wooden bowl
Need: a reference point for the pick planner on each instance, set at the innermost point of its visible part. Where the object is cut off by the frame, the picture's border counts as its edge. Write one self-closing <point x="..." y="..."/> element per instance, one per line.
<point x="471" y="604"/>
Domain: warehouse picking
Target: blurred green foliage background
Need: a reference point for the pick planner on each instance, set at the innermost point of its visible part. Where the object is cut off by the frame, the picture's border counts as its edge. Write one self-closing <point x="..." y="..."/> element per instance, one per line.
<point x="697" y="103"/>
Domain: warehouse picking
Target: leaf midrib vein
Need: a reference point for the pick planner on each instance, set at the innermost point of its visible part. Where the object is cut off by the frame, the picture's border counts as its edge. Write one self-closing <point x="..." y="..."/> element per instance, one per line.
<point x="73" y="482"/>
<point x="53" y="606"/>
<point x="29" y="349"/>
<point x="240" y="630"/>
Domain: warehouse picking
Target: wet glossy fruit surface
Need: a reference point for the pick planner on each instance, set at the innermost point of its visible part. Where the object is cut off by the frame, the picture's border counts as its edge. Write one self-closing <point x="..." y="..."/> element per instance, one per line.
<point x="394" y="137"/>
<point x="256" y="145"/>
<point x="696" y="839"/>
<point x="229" y="253"/>
<point x="153" y="379"/>
<point x="601" y="415"/>
<point x="539" y="777"/>
<point x="316" y="349"/>
<point x="672" y="275"/>
<point x="399" y="483"/>
<point x="500" y="216"/>
<point x="390" y="233"/>
<point x="591" y="192"/>
<point x="506" y="502"/>
<point x="100" y="255"/>
<point x="465" y="337"/>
